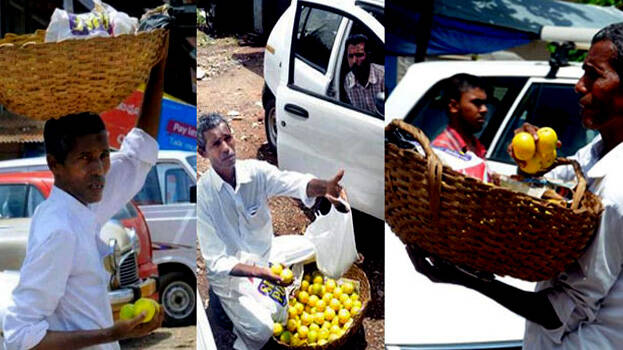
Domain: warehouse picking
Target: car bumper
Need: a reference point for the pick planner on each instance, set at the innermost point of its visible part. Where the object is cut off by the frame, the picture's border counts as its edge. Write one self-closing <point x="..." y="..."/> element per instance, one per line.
<point x="147" y="288"/>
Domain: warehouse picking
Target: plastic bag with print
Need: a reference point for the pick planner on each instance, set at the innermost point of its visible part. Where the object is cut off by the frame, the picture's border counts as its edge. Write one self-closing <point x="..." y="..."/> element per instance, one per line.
<point x="465" y="163"/>
<point x="102" y="21"/>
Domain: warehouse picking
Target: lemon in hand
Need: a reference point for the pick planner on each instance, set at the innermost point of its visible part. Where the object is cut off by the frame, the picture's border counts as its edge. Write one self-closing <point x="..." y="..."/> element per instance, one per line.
<point x="147" y="305"/>
<point x="127" y="312"/>
<point x="533" y="165"/>
<point x="287" y="276"/>
<point x="547" y="140"/>
<point x="276" y="269"/>
<point x="523" y="146"/>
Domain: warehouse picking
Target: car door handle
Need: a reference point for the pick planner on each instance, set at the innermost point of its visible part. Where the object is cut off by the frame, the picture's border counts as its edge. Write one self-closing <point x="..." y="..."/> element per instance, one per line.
<point x="296" y="110"/>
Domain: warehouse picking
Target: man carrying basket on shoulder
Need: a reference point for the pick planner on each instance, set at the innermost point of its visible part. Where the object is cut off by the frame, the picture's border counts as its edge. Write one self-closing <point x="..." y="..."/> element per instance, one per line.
<point x="583" y="306"/>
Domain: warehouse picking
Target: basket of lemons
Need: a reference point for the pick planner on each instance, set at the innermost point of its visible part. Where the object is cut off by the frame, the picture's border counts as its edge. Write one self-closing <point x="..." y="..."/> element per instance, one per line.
<point x="480" y="225"/>
<point x="323" y="313"/>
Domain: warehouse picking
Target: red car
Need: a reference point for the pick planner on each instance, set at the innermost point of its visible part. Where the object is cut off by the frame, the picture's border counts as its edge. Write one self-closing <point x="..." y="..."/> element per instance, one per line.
<point x="22" y="192"/>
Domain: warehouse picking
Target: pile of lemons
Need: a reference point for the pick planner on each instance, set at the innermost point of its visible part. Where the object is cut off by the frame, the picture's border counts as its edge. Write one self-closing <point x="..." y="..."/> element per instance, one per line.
<point x="320" y="312"/>
<point x="538" y="156"/>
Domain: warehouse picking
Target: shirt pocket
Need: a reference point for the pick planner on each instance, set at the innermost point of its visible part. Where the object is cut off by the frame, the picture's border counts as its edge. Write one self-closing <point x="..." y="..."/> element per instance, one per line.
<point x="257" y="216"/>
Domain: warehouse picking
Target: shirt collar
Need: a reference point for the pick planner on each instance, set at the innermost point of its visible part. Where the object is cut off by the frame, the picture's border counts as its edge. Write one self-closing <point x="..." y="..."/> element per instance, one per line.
<point x="608" y="162"/>
<point x="242" y="177"/>
<point x="71" y="203"/>
<point x="373" y="78"/>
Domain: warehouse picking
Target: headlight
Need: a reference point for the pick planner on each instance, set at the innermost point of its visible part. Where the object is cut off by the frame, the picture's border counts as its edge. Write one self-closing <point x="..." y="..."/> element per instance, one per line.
<point x="134" y="240"/>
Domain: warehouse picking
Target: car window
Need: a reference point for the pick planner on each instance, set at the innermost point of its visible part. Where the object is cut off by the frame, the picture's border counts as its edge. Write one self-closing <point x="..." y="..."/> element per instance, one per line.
<point x="150" y="194"/>
<point x="175" y="182"/>
<point x="192" y="160"/>
<point x="376" y="11"/>
<point x="429" y="113"/>
<point x="553" y="105"/>
<point x="126" y="212"/>
<point x="35" y="197"/>
<point x="13" y="201"/>
<point x="315" y="36"/>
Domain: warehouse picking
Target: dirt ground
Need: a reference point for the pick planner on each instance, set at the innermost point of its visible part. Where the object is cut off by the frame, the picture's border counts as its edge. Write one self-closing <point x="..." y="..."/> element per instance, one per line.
<point x="165" y="338"/>
<point x="233" y="87"/>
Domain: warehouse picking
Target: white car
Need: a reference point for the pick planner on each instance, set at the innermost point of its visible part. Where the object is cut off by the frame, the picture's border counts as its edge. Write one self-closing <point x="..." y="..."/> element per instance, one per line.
<point x="420" y="314"/>
<point x="308" y="117"/>
<point x="165" y="201"/>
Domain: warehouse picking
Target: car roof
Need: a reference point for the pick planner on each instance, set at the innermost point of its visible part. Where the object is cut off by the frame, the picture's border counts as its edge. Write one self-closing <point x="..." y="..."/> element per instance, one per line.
<point x="30" y="176"/>
<point x="379" y="3"/>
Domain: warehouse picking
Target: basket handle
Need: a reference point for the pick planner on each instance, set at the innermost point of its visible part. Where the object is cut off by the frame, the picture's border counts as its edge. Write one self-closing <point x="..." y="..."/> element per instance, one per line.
<point x="580" y="189"/>
<point x="434" y="165"/>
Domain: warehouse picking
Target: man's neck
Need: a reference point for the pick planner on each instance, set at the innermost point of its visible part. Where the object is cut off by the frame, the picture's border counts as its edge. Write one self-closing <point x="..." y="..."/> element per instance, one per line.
<point x="467" y="136"/>
<point x="228" y="175"/>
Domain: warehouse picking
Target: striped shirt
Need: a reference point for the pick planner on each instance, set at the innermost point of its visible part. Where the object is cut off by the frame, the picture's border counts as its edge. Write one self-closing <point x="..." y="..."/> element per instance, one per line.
<point x="451" y="139"/>
<point x="364" y="97"/>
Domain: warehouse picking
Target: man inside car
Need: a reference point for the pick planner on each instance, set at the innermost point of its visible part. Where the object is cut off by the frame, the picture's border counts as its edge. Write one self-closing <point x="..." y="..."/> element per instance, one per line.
<point x="365" y="80"/>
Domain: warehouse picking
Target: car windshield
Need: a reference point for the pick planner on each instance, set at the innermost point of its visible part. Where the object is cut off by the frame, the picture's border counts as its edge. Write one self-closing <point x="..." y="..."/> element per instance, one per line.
<point x="192" y="160"/>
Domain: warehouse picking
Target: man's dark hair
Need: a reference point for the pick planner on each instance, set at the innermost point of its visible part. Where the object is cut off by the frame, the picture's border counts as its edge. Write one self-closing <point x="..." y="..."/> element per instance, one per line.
<point x="59" y="135"/>
<point x="356" y="39"/>
<point x="208" y="122"/>
<point x="614" y="33"/>
<point x="457" y="84"/>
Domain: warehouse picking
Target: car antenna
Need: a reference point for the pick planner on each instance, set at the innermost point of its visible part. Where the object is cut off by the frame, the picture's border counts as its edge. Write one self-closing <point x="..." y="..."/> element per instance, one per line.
<point x="559" y="58"/>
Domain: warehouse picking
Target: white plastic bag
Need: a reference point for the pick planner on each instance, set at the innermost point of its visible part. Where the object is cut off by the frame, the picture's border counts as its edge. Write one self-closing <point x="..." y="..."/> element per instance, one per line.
<point x="269" y="295"/>
<point x="102" y="21"/>
<point x="334" y="241"/>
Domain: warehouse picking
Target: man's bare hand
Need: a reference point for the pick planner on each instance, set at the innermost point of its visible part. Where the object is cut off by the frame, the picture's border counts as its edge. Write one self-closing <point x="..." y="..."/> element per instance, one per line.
<point x="267" y="274"/>
<point x="135" y="328"/>
<point x="437" y="270"/>
<point x="336" y="193"/>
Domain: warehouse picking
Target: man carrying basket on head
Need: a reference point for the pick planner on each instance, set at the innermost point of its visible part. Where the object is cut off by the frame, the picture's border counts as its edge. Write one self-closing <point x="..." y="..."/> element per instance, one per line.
<point x="61" y="300"/>
<point x="583" y="306"/>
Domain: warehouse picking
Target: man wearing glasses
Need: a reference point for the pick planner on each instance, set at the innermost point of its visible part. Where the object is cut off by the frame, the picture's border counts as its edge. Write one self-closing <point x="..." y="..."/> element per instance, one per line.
<point x="365" y="80"/>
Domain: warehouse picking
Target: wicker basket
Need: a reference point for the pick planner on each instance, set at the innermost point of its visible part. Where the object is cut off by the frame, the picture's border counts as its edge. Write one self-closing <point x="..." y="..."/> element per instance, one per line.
<point x="479" y="225"/>
<point x="354" y="273"/>
<point x="48" y="80"/>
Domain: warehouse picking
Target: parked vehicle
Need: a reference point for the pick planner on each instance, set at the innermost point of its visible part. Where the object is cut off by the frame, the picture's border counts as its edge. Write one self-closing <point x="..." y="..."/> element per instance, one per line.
<point x="426" y="315"/>
<point x="308" y="117"/>
<point x="165" y="201"/>
<point x="134" y="273"/>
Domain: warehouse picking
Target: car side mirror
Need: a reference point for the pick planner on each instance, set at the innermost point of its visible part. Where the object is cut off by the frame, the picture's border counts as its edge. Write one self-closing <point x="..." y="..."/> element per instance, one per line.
<point x="193" y="194"/>
<point x="379" y="100"/>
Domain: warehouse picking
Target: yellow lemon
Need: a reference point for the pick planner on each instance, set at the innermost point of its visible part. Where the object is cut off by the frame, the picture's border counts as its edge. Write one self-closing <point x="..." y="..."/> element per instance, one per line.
<point x="533" y="165"/>
<point x="292" y="301"/>
<point x="318" y="279"/>
<point x="299" y="308"/>
<point x="321" y="342"/>
<point x="314" y="327"/>
<point x="303" y="297"/>
<point x="147" y="305"/>
<point x="313" y="300"/>
<point x="291" y="325"/>
<point x="312" y="336"/>
<point x="547" y="140"/>
<point x="308" y="309"/>
<point x="329" y="314"/>
<point x="355" y="310"/>
<point x="348" y="324"/>
<point x="321" y="305"/>
<point x="335" y="321"/>
<point x="343" y="316"/>
<point x="335" y="329"/>
<point x="276" y="269"/>
<point x="357" y="303"/>
<point x="326" y="325"/>
<point x="287" y="276"/>
<point x="327" y="297"/>
<point x="523" y="145"/>
<point x="306" y="318"/>
<point x="319" y="317"/>
<point x="348" y="288"/>
<point x="304" y="285"/>
<point x="343" y="298"/>
<point x="333" y="337"/>
<point x="354" y="297"/>
<point x="303" y="331"/>
<point x="286" y="337"/>
<point x="330" y="284"/>
<point x="307" y="278"/>
<point x="277" y="329"/>
<point x="348" y="304"/>
<point x="127" y="312"/>
<point x="292" y="312"/>
<point x="547" y="159"/>
<point x="296" y="340"/>
<point x="335" y="304"/>
<point x="323" y="334"/>
<point x="337" y="292"/>
<point x="316" y="289"/>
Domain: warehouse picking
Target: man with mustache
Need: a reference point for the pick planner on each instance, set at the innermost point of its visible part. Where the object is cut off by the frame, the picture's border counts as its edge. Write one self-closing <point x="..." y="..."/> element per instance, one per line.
<point x="582" y="307"/>
<point x="235" y="228"/>
<point x="365" y="80"/>
<point x="465" y="97"/>
<point x="61" y="300"/>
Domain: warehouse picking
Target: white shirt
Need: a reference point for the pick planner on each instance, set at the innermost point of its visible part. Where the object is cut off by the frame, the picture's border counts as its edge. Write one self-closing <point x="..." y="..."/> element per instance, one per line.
<point x="63" y="285"/>
<point x="235" y="225"/>
<point x="588" y="298"/>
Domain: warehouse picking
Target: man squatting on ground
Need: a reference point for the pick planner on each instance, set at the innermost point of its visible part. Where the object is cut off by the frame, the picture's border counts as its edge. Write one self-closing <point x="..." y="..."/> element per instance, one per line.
<point x="235" y="227"/>
<point x="61" y="300"/>
<point x="582" y="308"/>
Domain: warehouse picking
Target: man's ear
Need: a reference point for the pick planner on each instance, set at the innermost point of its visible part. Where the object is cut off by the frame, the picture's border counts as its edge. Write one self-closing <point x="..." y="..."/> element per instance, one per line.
<point x="52" y="162"/>
<point x="202" y="152"/>
<point x="453" y="106"/>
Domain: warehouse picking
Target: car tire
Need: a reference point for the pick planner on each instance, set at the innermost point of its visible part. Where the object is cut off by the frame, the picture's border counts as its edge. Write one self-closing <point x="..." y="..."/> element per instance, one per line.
<point x="270" y="123"/>
<point x="178" y="298"/>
